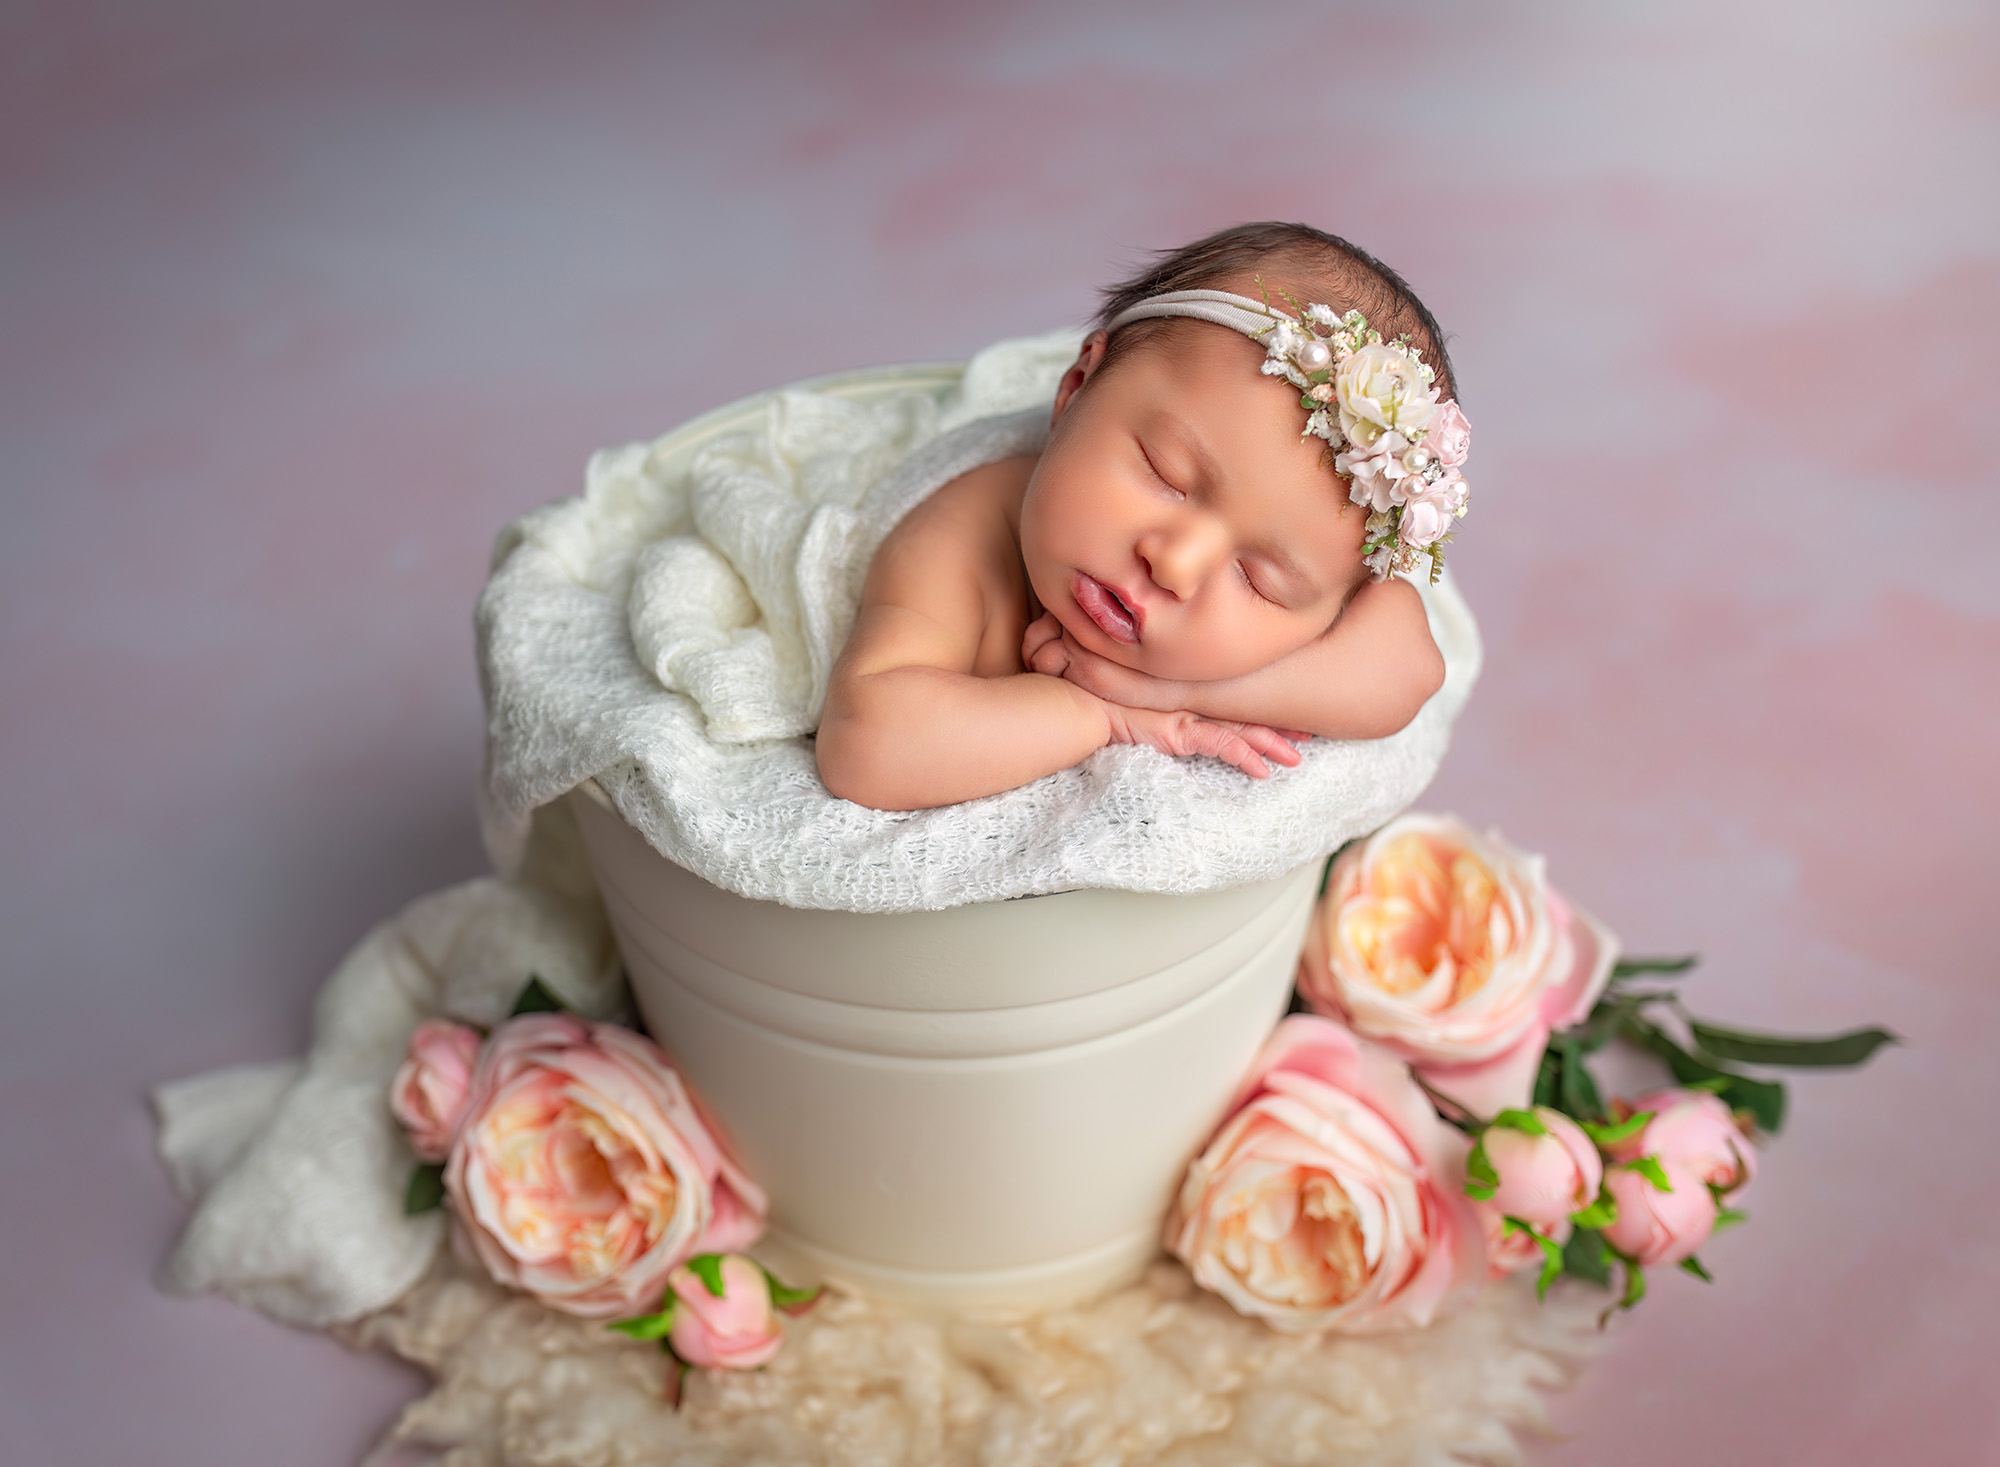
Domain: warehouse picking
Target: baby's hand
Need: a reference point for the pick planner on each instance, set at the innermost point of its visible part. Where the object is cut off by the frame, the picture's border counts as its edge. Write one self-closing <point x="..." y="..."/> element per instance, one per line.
<point x="1246" y="745"/>
<point x="1047" y="648"/>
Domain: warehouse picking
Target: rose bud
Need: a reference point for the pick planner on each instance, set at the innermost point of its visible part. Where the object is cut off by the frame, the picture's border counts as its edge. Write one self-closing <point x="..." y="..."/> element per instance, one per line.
<point x="1655" y="1227"/>
<point x="1697" y="1130"/>
<point x="428" y="1095"/>
<point x="1545" y="1178"/>
<point x="734" y="1330"/>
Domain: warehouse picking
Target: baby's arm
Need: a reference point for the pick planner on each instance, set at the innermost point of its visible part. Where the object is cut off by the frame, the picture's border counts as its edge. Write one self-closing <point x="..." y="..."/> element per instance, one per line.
<point x="920" y="710"/>
<point x="1365" y="677"/>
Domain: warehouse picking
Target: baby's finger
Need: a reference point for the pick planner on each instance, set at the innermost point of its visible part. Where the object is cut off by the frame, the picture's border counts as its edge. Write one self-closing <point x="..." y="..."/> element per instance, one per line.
<point x="1051" y="657"/>
<point x="1039" y="632"/>
<point x="1223" y="743"/>
<point x="1270" y="743"/>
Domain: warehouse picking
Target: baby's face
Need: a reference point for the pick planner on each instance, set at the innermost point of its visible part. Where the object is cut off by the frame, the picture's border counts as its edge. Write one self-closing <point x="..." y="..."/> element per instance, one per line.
<point x="1178" y="523"/>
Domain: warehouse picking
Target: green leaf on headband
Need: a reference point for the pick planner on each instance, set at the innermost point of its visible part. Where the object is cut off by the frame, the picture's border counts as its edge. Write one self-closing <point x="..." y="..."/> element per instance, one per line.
<point x="784" y="1296"/>
<point x="1587" y="1257"/>
<point x="1763" y="1099"/>
<point x="536" y="999"/>
<point x="708" y="1268"/>
<point x="1525" y="1121"/>
<point x="1625" y="1130"/>
<point x="425" y="1192"/>
<point x="1480" y="1178"/>
<point x="1649" y="1167"/>
<point x="1692" y="1265"/>
<point x="1632" y="967"/>
<point x="650" y="1326"/>
<point x="1600" y="1214"/>
<point x="1831" y="1051"/>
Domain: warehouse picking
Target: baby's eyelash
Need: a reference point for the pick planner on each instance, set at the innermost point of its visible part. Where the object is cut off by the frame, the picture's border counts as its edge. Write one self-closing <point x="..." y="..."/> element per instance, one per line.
<point x="1154" y="469"/>
<point x="1250" y="581"/>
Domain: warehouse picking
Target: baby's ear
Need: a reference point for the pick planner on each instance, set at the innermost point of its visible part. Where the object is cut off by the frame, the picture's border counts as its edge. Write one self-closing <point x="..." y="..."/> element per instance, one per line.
<point x="1089" y="357"/>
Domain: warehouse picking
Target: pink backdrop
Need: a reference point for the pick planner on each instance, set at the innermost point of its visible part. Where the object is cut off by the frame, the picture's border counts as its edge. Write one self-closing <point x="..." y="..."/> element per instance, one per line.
<point x="299" y="303"/>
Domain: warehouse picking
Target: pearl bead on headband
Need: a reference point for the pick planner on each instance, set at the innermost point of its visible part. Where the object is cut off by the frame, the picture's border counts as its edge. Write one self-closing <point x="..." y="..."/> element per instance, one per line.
<point x="1372" y="401"/>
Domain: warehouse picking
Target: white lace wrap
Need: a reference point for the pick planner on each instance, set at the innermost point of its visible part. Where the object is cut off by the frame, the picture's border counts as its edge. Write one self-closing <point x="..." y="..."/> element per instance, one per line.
<point x="670" y="631"/>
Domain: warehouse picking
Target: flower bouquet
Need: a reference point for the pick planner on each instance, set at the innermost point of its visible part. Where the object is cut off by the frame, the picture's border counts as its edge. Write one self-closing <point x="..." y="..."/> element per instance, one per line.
<point x="1431" y="1120"/>
<point x="1424" y="1122"/>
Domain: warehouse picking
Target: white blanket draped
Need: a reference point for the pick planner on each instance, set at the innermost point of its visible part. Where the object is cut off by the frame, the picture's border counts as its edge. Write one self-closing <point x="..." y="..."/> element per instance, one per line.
<point x="669" y="633"/>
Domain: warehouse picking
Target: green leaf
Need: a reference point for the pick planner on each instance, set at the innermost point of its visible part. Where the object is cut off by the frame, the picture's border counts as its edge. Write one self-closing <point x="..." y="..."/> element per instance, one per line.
<point x="1729" y="1217"/>
<point x="1764" y="1099"/>
<point x="1831" y="1051"/>
<point x="650" y="1326"/>
<point x="784" y="1296"/>
<point x="1548" y="1079"/>
<point x="1580" y="1099"/>
<point x="1649" y="1167"/>
<point x="426" y="1190"/>
<point x="1625" y="1130"/>
<point x="1632" y="967"/>
<point x="708" y="1268"/>
<point x="536" y="999"/>
<point x="1585" y="1256"/>
<point x="1635" y="1285"/>
<point x="1600" y="1214"/>
<point x="1480" y="1178"/>
<point x="1692" y="1265"/>
<point x="1525" y="1121"/>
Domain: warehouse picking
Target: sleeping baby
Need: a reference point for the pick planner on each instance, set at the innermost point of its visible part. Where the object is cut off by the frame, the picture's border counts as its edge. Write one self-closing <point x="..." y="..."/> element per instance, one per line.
<point x="1182" y="566"/>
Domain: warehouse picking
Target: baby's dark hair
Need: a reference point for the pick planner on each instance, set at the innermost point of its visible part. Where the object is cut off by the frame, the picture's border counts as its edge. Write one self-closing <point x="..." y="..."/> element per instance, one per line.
<point x="1309" y="263"/>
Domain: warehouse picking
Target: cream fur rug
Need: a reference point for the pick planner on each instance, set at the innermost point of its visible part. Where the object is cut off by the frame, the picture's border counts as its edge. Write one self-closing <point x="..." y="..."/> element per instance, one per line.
<point x="1158" y="1374"/>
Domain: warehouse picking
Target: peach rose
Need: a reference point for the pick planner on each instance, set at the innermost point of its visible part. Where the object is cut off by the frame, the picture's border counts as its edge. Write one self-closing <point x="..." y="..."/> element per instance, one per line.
<point x="583" y="1173"/>
<point x="1545" y="1178"/>
<point x="1655" y="1227"/>
<point x="1697" y="1130"/>
<point x="429" y="1092"/>
<point x="1330" y="1198"/>
<point x="1450" y="949"/>
<point x="736" y="1330"/>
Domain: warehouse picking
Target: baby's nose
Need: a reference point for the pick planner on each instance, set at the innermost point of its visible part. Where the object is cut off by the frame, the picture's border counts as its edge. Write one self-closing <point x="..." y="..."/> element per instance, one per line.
<point x="1179" y="558"/>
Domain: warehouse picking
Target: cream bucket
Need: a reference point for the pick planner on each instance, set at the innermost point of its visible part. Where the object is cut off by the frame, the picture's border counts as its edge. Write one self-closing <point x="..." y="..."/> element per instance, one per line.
<point x="985" y="1107"/>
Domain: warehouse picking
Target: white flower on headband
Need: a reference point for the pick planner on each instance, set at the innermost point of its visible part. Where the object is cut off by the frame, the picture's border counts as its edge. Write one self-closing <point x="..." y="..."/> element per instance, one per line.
<point x="1375" y="404"/>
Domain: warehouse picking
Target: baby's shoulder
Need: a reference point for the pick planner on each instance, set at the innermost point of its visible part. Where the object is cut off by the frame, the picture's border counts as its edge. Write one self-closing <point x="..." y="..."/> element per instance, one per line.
<point x="967" y="522"/>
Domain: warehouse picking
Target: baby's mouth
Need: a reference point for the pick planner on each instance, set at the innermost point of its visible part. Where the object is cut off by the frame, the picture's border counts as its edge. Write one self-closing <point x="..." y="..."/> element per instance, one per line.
<point x="1107" y="609"/>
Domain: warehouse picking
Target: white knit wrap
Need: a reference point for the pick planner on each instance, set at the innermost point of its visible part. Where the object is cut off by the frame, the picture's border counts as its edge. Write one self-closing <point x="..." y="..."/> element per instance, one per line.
<point x="669" y="633"/>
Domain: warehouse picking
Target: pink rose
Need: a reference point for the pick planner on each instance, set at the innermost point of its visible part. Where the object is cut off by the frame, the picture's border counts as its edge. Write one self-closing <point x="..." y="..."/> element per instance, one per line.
<point x="1655" y="1227"/>
<point x="1543" y="1179"/>
<point x="1511" y="1250"/>
<point x="737" y="1330"/>
<point x="1450" y="949"/>
<point x="429" y="1092"/>
<point x="1426" y="518"/>
<point x="1449" y="436"/>
<point x="1331" y="1196"/>
<point x="583" y="1172"/>
<point x="1697" y="1130"/>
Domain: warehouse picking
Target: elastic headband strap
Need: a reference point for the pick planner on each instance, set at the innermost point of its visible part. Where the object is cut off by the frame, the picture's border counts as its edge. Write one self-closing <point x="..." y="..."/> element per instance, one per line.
<point x="1237" y="312"/>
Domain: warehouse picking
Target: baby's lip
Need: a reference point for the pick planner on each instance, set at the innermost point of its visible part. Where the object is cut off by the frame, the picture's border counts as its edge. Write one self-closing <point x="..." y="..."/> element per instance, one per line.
<point x="1116" y="615"/>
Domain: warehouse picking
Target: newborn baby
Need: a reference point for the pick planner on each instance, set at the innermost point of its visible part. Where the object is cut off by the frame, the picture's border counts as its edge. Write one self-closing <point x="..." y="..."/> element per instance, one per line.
<point x="1182" y="566"/>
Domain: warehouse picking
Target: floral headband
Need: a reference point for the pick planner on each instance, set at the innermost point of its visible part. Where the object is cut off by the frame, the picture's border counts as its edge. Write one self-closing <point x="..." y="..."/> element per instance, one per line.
<point x="1372" y="401"/>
